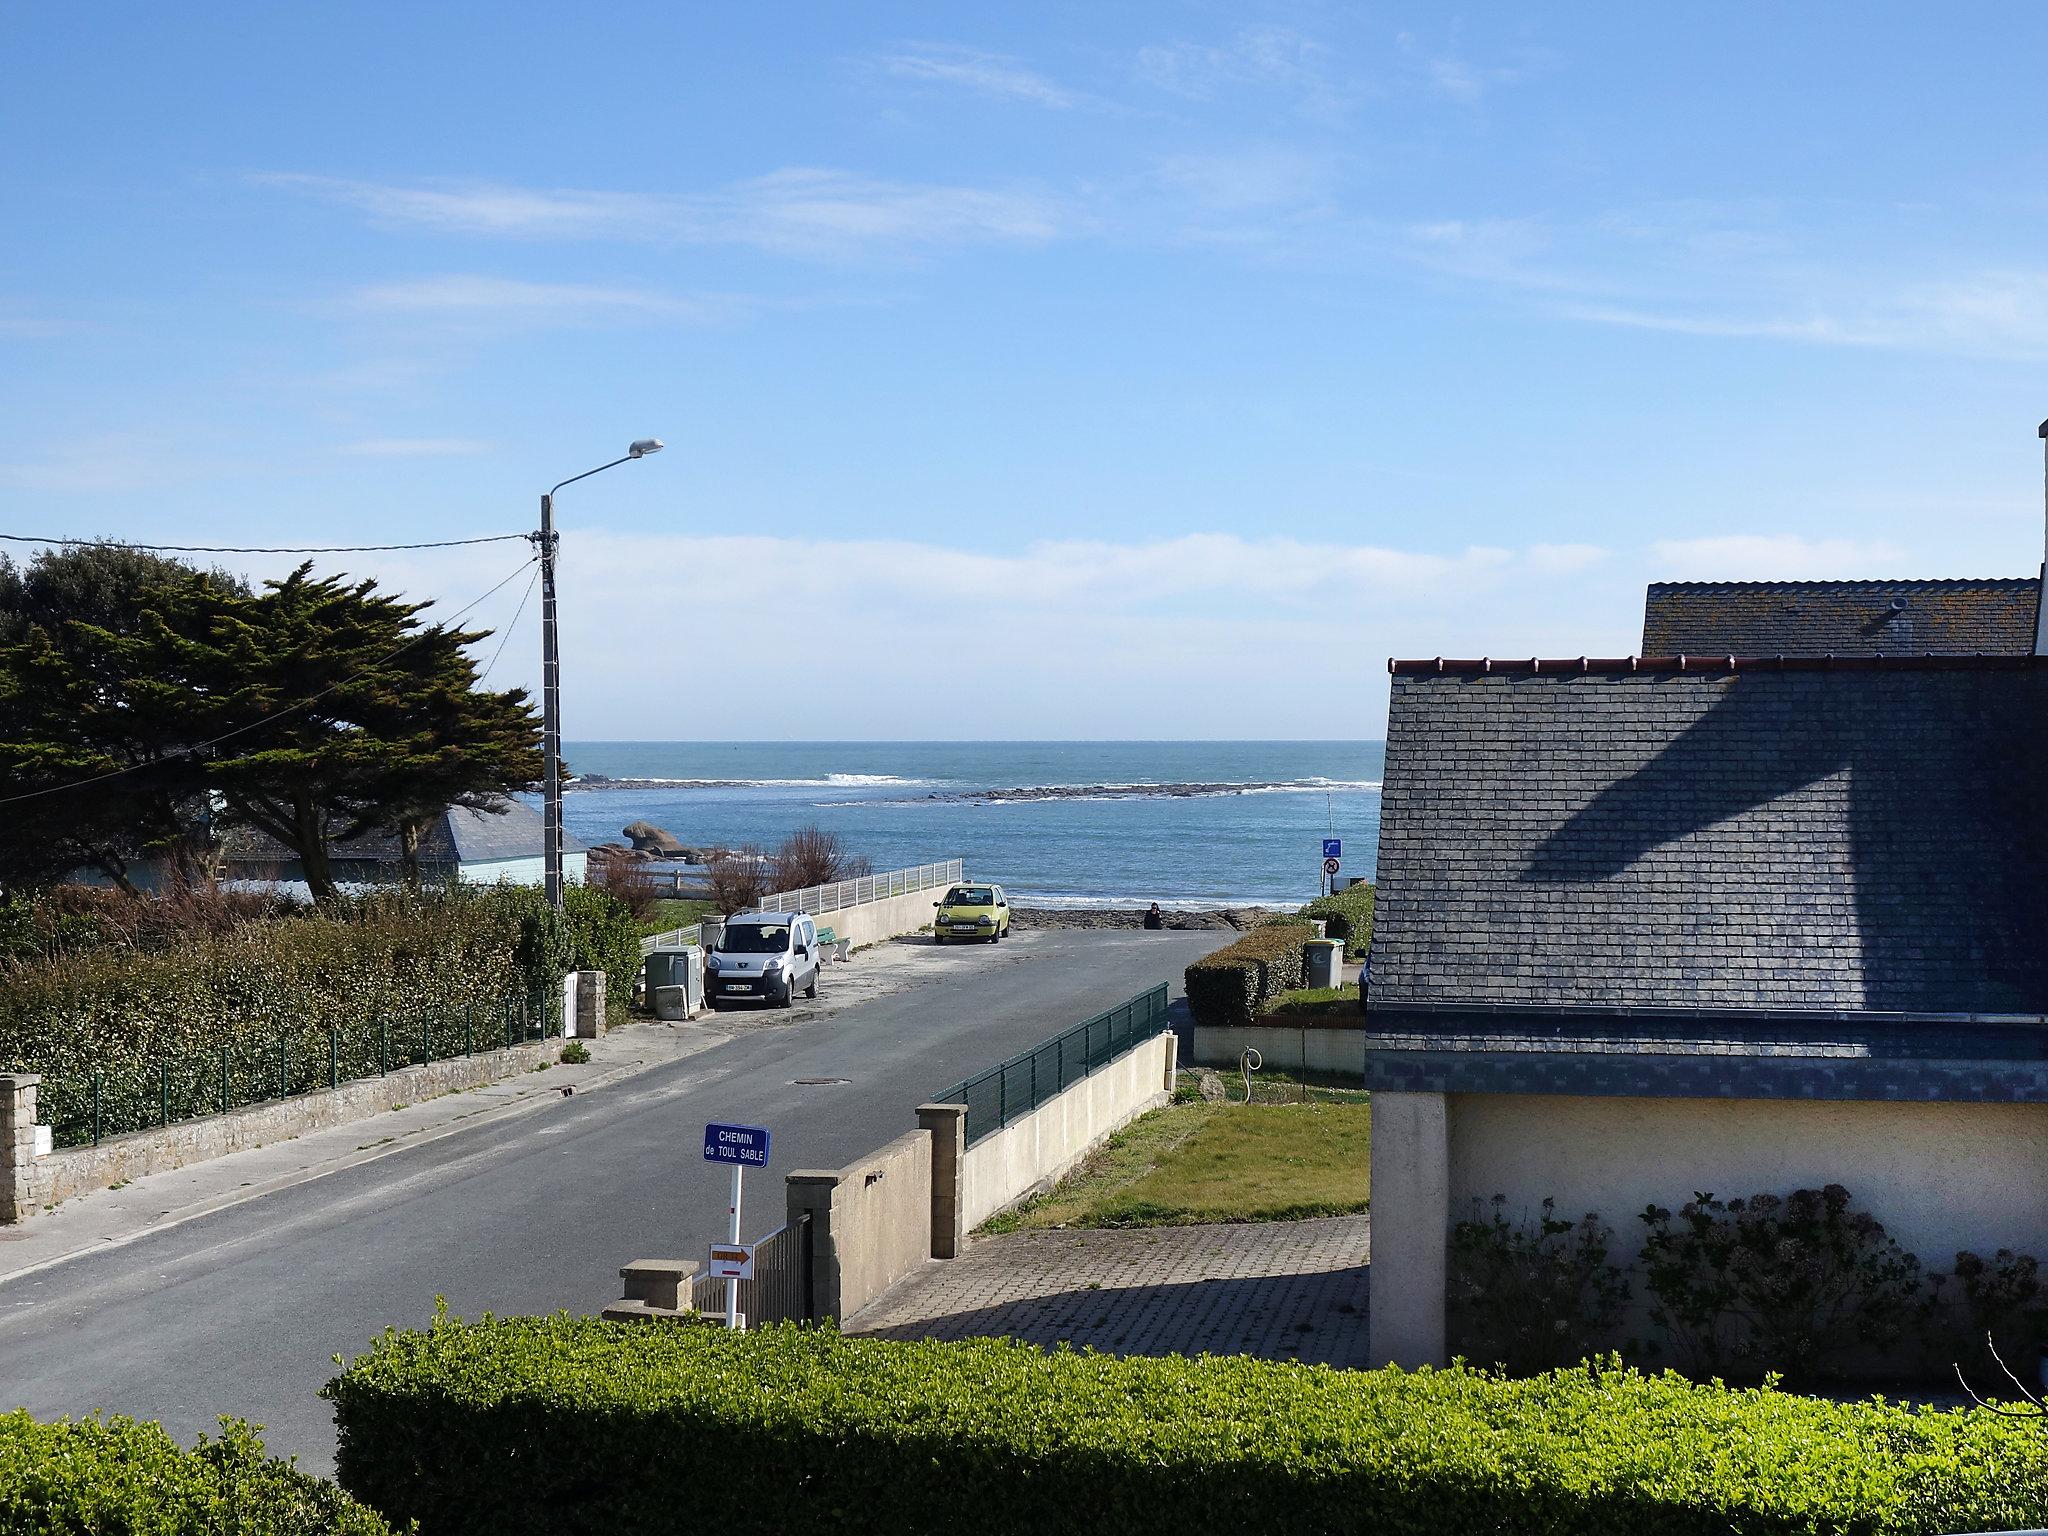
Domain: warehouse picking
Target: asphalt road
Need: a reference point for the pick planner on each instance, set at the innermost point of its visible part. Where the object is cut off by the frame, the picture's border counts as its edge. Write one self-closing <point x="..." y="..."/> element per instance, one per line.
<point x="241" y="1312"/>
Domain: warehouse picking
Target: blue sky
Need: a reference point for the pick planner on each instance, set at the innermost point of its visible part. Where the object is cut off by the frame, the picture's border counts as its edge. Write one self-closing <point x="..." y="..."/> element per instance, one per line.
<point x="1034" y="371"/>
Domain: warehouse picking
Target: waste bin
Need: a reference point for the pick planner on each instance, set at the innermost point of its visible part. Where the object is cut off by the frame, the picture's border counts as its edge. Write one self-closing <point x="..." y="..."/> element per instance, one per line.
<point x="675" y="982"/>
<point x="1322" y="963"/>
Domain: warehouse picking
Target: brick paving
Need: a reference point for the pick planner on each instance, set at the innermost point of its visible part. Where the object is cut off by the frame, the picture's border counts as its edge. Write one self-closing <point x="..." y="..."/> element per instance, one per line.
<point x="1290" y="1290"/>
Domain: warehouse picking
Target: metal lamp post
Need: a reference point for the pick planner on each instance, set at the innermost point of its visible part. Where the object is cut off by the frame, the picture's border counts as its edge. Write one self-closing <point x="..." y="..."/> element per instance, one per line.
<point x="551" y="675"/>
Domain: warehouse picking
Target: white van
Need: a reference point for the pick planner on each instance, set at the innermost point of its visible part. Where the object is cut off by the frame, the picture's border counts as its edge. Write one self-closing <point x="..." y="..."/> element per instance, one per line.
<point x="763" y="957"/>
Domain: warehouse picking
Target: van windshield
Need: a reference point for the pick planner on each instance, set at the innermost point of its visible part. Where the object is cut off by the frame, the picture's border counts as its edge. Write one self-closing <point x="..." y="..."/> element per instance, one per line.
<point x="970" y="896"/>
<point x="755" y="939"/>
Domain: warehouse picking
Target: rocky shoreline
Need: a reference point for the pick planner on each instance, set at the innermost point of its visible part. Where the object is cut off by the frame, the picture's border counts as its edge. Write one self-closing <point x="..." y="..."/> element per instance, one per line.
<point x="1239" y="918"/>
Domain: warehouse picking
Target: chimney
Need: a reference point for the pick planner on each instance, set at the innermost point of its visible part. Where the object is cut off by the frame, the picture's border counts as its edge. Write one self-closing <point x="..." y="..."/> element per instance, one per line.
<point x="2041" y="601"/>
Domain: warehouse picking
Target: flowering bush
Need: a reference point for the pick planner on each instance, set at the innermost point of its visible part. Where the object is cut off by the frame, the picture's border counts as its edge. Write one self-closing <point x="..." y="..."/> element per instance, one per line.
<point x="1790" y="1284"/>
<point x="1535" y="1294"/>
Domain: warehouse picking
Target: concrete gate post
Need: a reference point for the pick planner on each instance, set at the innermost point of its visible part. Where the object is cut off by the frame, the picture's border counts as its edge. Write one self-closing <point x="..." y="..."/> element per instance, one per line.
<point x="1411" y="1217"/>
<point x="20" y="1186"/>
<point x="813" y="1192"/>
<point x="948" y="1126"/>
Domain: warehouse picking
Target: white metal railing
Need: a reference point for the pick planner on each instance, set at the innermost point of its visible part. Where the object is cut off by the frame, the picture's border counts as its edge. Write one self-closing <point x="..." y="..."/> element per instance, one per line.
<point x="830" y="898"/>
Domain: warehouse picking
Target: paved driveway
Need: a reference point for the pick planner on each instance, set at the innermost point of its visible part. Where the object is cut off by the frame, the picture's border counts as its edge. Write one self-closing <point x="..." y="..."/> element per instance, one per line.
<point x="1287" y="1290"/>
<point x="239" y="1311"/>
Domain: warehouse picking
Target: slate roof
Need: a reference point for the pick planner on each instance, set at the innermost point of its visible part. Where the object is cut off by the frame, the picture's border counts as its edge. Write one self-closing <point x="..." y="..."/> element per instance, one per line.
<point x="1795" y="837"/>
<point x="1815" y="618"/>
<point x="460" y="836"/>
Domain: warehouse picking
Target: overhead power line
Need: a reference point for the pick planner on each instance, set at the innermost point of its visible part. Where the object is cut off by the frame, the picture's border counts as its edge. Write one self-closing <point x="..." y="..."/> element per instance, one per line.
<point x="289" y="709"/>
<point x="267" y="549"/>
<point x="517" y="614"/>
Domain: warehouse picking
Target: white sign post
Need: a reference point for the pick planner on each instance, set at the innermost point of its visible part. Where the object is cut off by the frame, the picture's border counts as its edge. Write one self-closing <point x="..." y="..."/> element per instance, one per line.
<point x="738" y="1145"/>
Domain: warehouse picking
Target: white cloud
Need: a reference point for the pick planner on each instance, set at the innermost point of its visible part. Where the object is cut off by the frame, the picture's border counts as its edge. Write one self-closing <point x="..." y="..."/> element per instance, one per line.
<point x="1775" y="557"/>
<point x="462" y="296"/>
<point x="991" y="74"/>
<point x="799" y="211"/>
<point x="1250" y="179"/>
<point x="1274" y="58"/>
<point x="415" y="447"/>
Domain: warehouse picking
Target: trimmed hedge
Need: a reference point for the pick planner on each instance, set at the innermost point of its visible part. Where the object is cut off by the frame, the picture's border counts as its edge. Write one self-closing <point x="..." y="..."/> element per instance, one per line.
<point x="114" y="1477"/>
<point x="1347" y="915"/>
<point x="1228" y="988"/>
<point x="563" y="1425"/>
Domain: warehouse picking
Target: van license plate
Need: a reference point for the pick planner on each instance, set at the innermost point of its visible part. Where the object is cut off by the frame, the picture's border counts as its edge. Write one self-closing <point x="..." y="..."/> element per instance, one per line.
<point x="739" y="986"/>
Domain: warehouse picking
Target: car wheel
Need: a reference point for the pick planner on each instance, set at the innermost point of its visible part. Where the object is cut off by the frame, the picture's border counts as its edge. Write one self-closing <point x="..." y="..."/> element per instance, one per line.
<point x="812" y="989"/>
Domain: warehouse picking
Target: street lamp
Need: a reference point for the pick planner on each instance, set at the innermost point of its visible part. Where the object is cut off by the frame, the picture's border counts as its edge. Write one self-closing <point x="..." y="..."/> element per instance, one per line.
<point x="551" y="676"/>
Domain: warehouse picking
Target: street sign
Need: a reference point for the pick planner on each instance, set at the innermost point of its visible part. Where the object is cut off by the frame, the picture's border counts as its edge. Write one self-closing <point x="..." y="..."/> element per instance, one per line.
<point x="1333" y="848"/>
<point x="745" y="1145"/>
<point x="732" y="1261"/>
<point x="1330" y="866"/>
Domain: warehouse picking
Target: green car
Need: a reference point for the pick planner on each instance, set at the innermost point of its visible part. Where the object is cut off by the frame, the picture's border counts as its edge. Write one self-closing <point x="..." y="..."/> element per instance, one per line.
<point x="972" y="912"/>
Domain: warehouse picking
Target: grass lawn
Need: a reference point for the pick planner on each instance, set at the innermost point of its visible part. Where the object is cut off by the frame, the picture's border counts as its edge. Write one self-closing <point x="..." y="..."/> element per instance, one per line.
<point x="1200" y="1162"/>
<point x="676" y="912"/>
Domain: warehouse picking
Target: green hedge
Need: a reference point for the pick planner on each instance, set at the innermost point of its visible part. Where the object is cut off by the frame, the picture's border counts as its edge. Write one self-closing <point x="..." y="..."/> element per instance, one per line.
<point x="1228" y="987"/>
<point x="1348" y="916"/>
<point x="565" y="1425"/>
<point x="604" y="936"/>
<point x="268" y="992"/>
<point x="115" y="1477"/>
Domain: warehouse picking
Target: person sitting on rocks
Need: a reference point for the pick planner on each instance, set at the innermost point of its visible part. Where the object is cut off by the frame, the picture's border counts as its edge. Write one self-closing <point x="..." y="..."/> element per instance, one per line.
<point x="1155" y="918"/>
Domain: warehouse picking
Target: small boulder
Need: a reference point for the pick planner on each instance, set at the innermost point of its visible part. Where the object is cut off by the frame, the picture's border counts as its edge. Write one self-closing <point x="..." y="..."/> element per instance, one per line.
<point x="646" y="837"/>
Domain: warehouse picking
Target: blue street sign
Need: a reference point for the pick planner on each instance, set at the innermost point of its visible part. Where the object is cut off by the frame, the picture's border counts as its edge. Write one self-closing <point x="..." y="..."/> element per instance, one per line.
<point x="1333" y="847"/>
<point x="744" y="1144"/>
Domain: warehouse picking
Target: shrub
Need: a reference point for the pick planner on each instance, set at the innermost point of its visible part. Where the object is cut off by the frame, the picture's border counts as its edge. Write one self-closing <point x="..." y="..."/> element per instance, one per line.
<point x="2003" y="1309"/>
<point x="812" y="856"/>
<point x="567" y="1425"/>
<point x="439" y="962"/>
<point x="575" y="1054"/>
<point x="1792" y="1284"/>
<point x="737" y="880"/>
<point x="603" y="936"/>
<point x="1536" y="1294"/>
<point x="1228" y="987"/>
<point x="115" y="1476"/>
<point x="1347" y="915"/>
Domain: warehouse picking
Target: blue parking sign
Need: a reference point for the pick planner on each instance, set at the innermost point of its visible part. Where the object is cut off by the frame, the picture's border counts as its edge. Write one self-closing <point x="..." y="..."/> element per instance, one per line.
<point x="1333" y="847"/>
<point x="746" y="1145"/>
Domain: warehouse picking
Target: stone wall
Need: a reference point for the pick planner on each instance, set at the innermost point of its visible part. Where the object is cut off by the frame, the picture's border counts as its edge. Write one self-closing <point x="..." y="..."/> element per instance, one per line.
<point x="28" y="1185"/>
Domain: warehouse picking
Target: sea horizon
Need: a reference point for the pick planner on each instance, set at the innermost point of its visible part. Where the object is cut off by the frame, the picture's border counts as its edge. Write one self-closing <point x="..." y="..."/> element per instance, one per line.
<point x="1111" y="822"/>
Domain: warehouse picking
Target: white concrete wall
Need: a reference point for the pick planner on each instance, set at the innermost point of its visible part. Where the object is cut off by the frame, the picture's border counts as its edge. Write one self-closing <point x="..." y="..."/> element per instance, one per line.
<point x="890" y="918"/>
<point x="1941" y="1177"/>
<point x="1334" y="1052"/>
<point x="1034" y="1151"/>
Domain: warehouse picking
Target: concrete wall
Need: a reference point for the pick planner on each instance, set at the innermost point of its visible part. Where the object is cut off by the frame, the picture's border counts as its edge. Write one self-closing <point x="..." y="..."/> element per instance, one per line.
<point x="1940" y="1176"/>
<point x="871" y="1222"/>
<point x="1331" y="1052"/>
<point x="79" y="1170"/>
<point x="890" y="918"/>
<point x="1033" y="1152"/>
<point x="875" y="1221"/>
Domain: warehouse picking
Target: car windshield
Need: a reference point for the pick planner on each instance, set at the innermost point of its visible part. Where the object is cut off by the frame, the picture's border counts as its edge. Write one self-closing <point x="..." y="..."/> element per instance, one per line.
<point x="755" y="939"/>
<point x="970" y="896"/>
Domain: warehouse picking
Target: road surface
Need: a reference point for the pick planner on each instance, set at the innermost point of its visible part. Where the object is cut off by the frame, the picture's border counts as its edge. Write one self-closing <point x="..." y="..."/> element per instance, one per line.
<point x="240" y="1312"/>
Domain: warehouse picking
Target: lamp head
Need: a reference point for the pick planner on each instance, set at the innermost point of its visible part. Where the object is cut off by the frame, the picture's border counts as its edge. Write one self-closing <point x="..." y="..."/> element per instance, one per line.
<point x="644" y="447"/>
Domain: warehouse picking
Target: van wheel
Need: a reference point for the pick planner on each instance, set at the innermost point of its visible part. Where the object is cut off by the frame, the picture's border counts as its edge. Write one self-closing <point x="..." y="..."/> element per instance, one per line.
<point x="812" y="989"/>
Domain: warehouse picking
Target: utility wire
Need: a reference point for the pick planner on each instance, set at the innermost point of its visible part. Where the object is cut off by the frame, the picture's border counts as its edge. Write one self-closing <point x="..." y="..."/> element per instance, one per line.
<point x="506" y="638"/>
<point x="289" y="709"/>
<point x="268" y="549"/>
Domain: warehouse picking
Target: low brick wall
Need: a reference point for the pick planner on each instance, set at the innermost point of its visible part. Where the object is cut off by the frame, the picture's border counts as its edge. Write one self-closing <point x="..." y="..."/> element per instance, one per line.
<point x="118" y="1159"/>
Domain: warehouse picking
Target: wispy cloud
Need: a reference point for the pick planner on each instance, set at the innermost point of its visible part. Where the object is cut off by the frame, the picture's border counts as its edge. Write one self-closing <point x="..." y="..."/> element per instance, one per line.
<point x="471" y="296"/>
<point x="27" y="321"/>
<point x="1276" y="58"/>
<point x="990" y="74"/>
<point x="802" y="212"/>
<point x="415" y="447"/>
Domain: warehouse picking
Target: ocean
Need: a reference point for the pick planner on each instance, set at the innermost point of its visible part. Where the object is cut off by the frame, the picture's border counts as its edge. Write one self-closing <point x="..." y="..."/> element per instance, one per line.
<point x="1057" y="823"/>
